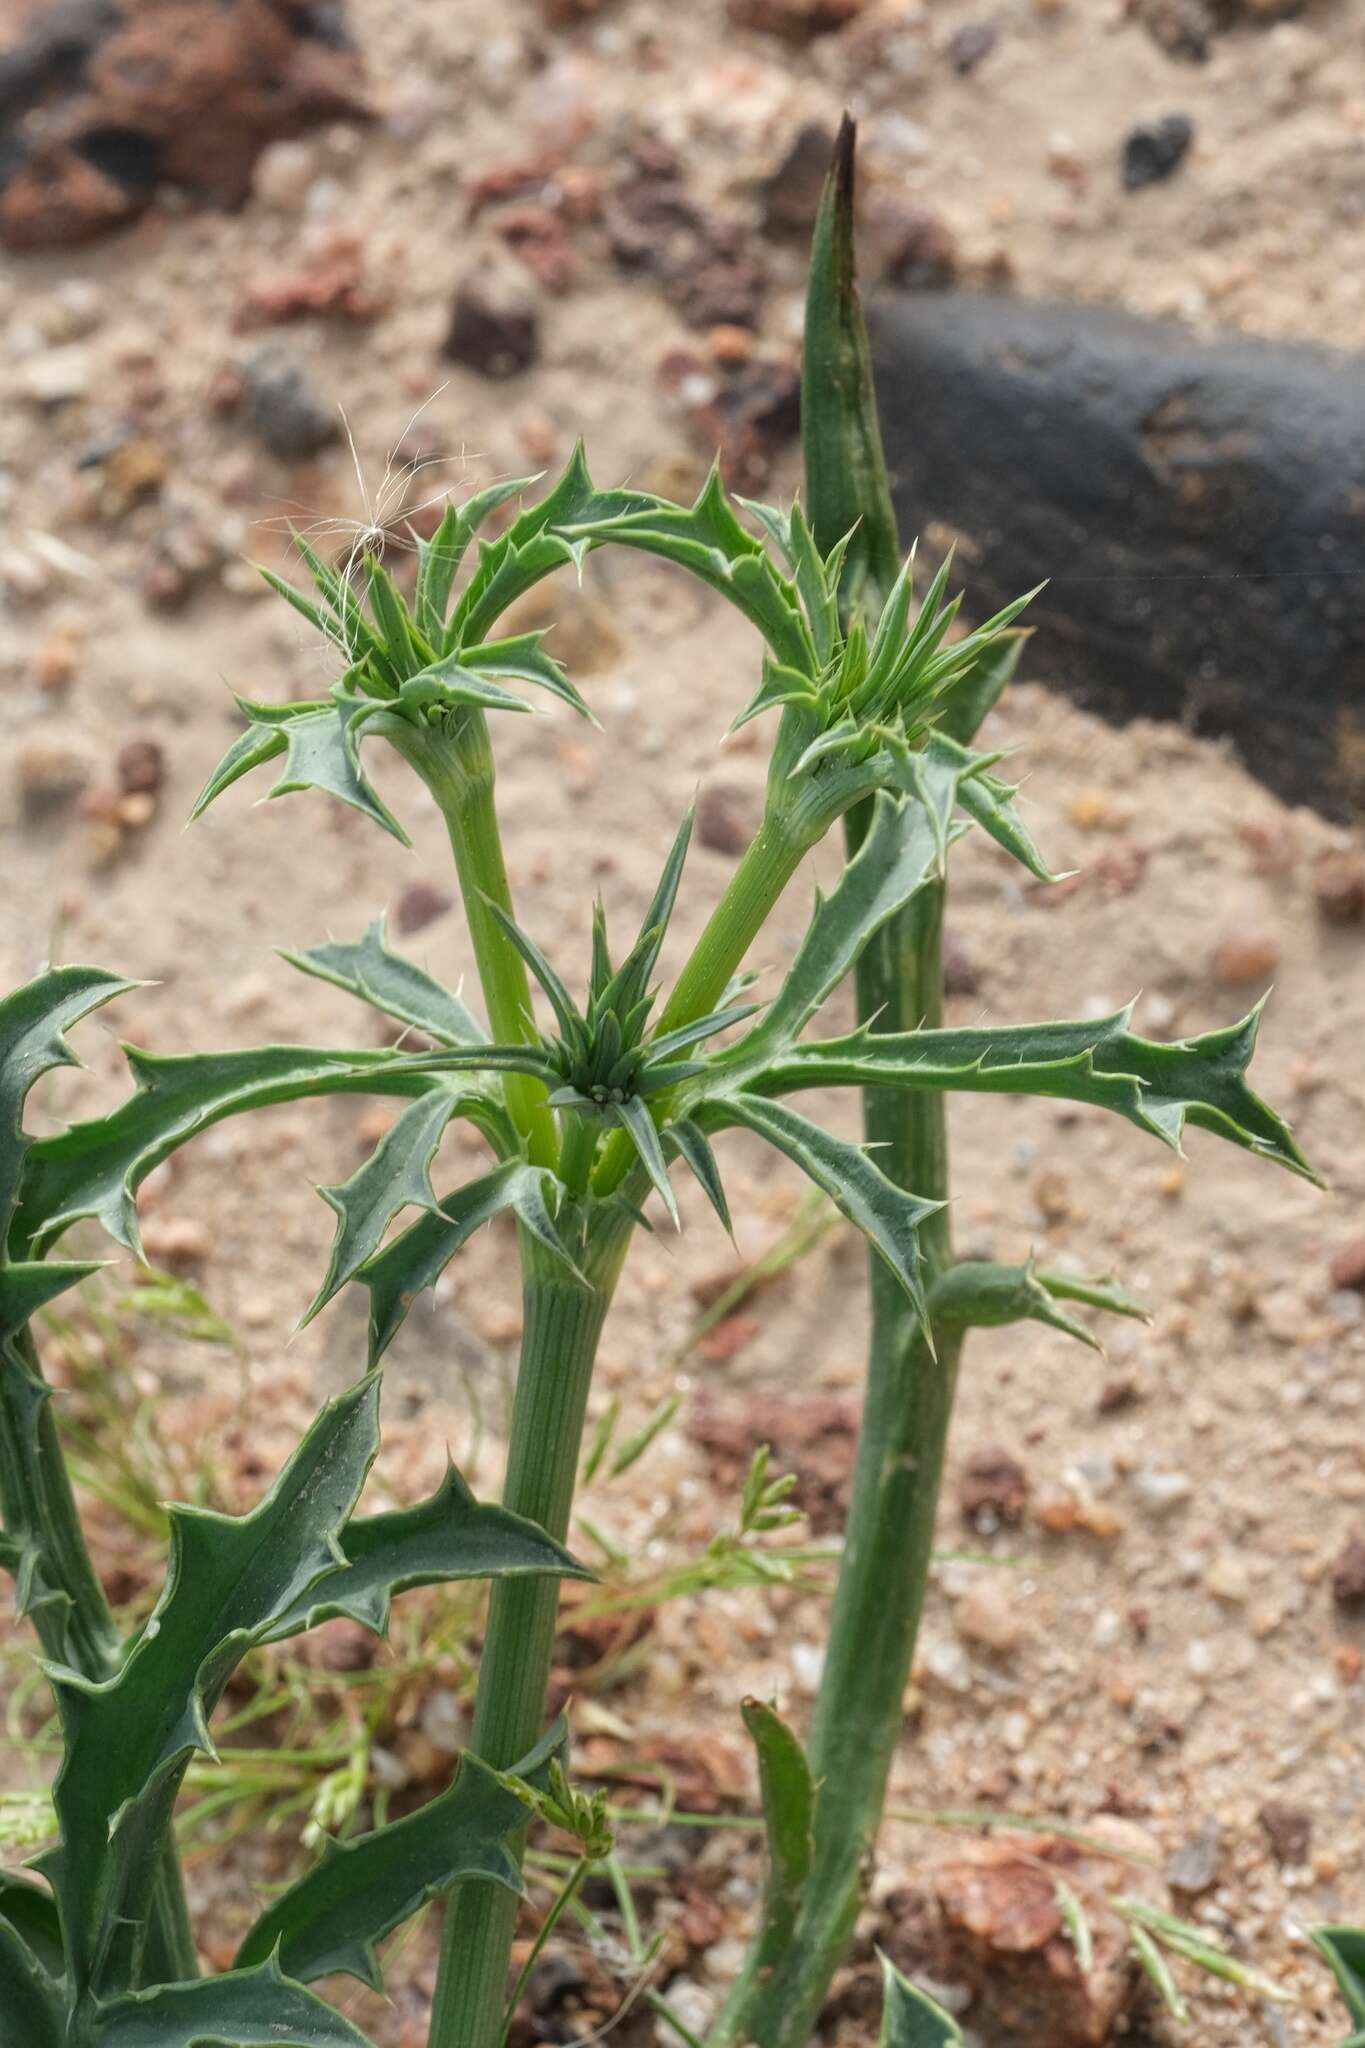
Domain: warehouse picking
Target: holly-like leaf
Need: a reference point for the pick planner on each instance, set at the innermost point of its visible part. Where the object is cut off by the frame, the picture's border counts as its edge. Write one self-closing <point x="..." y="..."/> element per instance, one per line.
<point x="450" y="1536"/>
<point x="1159" y="1087"/>
<point x="396" y="1176"/>
<point x="942" y="774"/>
<point x="887" y="1215"/>
<point x="708" y="539"/>
<point x="258" y="2008"/>
<point x="367" y="968"/>
<point x="439" y="559"/>
<point x="910" y="2018"/>
<point x="417" y="1257"/>
<point x="95" y="1168"/>
<point x="895" y="860"/>
<point x="329" y="1921"/>
<point x="320" y="742"/>
<point x="789" y="1822"/>
<point x="1343" y="1951"/>
<point x="33" y="1021"/>
<point x="538" y="541"/>
<point x="977" y="1294"/>
<point x="128" y="1739"/>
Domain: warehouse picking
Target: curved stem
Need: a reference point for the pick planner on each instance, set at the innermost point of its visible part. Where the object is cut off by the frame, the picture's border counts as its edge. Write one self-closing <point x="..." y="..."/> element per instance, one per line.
<point x="563" y="1321"/>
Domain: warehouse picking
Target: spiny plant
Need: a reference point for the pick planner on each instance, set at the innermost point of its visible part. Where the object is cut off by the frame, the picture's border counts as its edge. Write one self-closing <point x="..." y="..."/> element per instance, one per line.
<point x="876" y="716"/>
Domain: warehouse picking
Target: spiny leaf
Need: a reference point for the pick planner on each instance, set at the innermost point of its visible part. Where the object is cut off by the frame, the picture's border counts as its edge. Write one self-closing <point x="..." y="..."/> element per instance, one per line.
<point x="886" y="1214"/>
<point x="1158" y="1087"/>
<point x="247" y="2009"/>
<point x="329" y="1921"/>
<point x="95" y="1168"/>
<point x="532" y="546"/>
<point x="26" y="1288"/>
<point x="229" y="1580"/>
<point x="636" y="1121"/>
<point x="320" y="742"/>
<point x="846" y="483"/>
<point x="450" y="1536"/>
<point x="33" y="1021"/>
<point x="417" y="1257"/>
<point x="399" y="988"/>
<point x="396" y="1176"/>
<point x="439" y="558"/>
<point x="789" y="1822"/>
<point x="691" y="1145"/>
<point x="910" y="2018"/>
<point x="976" y="1294"/>
<point x="524" y="658"/>
<point x="895" y="860"/>
<point x="708" y="539"/>
<point x="963" y="707"/>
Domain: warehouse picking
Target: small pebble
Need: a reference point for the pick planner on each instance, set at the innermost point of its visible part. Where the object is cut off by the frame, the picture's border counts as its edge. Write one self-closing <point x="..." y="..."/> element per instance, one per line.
<point x="1193" y="1868"/>
<point x="988" y="1613"/>
<point x="1152" y="152"/>
<point x="1161" y="1492"/>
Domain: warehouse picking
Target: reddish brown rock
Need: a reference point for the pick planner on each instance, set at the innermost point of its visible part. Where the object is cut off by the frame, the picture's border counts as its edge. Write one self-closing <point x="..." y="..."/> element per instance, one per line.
<point x="1006" y="1942"/>
<point x="1348" y="1266"/>
<point x="333" y="283"/>
<point x="103" y="101"/>
<point x="1348" y="1576"/>
<point x="795" y="20"/>
<point x="703" y="263"/>
<point x="1339" y="886"/>
<point x="1289" y="1831"/>
<point x="993" y="1489"/>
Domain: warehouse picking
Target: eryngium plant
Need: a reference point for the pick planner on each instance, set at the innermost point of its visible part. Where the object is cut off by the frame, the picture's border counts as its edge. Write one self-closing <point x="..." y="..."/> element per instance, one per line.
<point x="875" y="714"/>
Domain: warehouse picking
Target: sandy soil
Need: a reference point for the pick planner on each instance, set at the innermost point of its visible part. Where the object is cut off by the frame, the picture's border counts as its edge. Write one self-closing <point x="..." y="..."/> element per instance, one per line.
<point x="1178" y="1659"/>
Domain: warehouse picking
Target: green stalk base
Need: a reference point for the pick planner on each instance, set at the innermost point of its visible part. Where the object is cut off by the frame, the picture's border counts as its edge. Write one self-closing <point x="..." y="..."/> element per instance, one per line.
<point x="563" y="1321"/>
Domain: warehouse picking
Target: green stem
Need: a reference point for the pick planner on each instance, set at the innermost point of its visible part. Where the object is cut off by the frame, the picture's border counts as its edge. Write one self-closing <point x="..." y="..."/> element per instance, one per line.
<point x="563" y="1321"/>
<point x="766" y="867"/>
<point x="67" y="1604"/>
<point x="457" y="767"/>
<point x="888" y="1541"/>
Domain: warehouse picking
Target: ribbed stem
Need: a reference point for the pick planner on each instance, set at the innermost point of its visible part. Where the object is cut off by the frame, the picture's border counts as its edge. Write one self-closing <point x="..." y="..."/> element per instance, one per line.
<point x="562" y="1323"/>
<point x="884" y="1566"/>
<point x="457" y="767"/>
<point x="69" y="1610"/>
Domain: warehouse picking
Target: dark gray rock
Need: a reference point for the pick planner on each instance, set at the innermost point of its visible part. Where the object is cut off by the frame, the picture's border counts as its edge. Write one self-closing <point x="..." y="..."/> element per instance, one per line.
<point x="286" y="413"/>
<point x="1199" y="509"/>
<point x="1152" y="153"/>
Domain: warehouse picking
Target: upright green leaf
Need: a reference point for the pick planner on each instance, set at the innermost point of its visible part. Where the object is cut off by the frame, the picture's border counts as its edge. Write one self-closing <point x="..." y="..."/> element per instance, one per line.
<point x="127" y="1740"/>
<point x="367" y="968"/>
<point x="964" y="705"/>
<point x="887" y="1215"/>
<point x="31" y="1911"/>
<point x="247" y="2009"/>
<point x="450" y="1536"/>
<point x="329" y="1921"/>
<point x="789" y="1825"/>
<point x="846" y="482"/>
<point x="911" y="2019"/>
